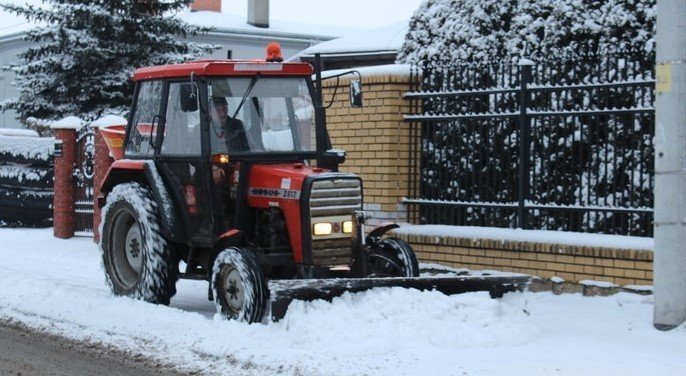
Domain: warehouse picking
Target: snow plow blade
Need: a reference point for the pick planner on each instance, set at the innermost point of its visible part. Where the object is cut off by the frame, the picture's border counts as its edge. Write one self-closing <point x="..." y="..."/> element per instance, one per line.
<point x="282" y="292"/>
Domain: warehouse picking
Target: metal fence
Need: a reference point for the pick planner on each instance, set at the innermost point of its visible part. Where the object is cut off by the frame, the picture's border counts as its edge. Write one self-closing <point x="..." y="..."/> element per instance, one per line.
<point x="562" y="144"/>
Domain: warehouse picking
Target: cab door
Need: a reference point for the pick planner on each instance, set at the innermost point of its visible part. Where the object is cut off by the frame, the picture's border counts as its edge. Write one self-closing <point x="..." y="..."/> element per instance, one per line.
<point x="182" y="166"/>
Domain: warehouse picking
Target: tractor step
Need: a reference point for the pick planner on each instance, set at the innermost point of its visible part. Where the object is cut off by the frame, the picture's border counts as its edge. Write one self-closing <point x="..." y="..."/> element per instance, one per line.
<point x="282" y="292"/>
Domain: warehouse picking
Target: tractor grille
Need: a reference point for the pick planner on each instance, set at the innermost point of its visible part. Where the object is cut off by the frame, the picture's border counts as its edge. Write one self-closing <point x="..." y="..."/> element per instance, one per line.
<point x="334" y="201"/>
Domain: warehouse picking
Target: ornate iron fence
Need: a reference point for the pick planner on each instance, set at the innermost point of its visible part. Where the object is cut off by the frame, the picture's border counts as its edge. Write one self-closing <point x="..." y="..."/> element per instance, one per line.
<point x="83" y="181"/>
<point x="564" y="144"/>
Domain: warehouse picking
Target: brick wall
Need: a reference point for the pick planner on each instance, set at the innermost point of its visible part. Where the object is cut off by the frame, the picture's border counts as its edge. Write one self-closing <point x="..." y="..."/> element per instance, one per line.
<point x="570" y="262"/>
<point x="376" y="140"/>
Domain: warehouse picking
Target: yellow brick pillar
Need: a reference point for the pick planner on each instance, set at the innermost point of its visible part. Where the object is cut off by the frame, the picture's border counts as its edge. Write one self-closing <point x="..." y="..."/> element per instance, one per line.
<point x="375" y="138"/>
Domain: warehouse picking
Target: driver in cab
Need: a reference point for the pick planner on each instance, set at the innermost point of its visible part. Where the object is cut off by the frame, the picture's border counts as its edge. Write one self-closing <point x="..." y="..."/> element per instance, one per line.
<point x="227" y="129"/>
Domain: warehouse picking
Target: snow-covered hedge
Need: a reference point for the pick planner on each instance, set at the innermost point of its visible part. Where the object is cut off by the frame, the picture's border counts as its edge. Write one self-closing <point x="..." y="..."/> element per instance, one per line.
<point x="442" y="31"/>
<point x="26" y="181"/>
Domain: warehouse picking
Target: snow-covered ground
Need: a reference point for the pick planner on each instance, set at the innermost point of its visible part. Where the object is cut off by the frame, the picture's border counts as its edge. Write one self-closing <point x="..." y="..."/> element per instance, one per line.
<point x="58" y="285"/>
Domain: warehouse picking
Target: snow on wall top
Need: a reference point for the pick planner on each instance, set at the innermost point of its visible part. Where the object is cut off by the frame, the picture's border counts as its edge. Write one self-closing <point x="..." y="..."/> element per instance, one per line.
<point x="29" y="147"/>
<point x="109" y="120"/>
<point x="387" y="38"/>
<point x="376" y="70"/>
<point x="18" y="132"/>
<point x="532" y="236"/>
<point x="69" y="122"/>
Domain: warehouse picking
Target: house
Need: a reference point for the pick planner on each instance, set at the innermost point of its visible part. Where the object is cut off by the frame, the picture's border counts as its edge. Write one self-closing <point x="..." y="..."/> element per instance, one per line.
<point x="238" y="37"/>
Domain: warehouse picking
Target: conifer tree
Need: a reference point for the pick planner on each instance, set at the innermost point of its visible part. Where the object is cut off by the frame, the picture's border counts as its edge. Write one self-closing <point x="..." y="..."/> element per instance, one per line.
<point x="85" y="52"/>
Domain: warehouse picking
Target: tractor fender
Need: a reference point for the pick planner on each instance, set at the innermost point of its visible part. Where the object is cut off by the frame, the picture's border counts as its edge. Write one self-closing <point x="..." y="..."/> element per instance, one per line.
<point x="376" y="234"/>
<point x="145" y="172"/>
<point x="230" y="238"/>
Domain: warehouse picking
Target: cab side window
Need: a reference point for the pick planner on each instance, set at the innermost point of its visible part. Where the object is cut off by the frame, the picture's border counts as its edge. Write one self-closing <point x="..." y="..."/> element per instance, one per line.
<point x="182" y="130"/>
<point x="145" y="119"/>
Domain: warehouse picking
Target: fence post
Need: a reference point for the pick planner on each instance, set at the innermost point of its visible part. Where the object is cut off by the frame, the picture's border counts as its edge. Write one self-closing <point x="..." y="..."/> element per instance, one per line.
<point x="63" y="199"/>
<point x="525" y="75"/>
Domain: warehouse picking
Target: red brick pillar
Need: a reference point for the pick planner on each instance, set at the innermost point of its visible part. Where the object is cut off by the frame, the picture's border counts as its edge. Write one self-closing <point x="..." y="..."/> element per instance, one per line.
<point x="64" y="196"/>
<point x="101" y="163"/>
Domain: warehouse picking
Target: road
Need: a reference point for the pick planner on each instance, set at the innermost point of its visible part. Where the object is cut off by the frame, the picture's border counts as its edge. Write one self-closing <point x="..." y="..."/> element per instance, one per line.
<point x="26" y="352"/>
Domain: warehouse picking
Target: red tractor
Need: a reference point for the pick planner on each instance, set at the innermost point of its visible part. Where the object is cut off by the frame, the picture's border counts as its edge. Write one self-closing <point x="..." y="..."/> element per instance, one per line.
<point x="213" y="180"/>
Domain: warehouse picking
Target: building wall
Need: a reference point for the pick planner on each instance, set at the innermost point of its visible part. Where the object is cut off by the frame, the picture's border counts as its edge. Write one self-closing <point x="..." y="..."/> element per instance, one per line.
<point x="376" y="140"/>
<point x="9" y="48"/>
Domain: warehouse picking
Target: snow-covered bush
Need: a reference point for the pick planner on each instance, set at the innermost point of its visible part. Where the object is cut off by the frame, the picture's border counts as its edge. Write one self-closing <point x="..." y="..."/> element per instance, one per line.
<point x="443" y="31"/>
<point x="86" y="50"/>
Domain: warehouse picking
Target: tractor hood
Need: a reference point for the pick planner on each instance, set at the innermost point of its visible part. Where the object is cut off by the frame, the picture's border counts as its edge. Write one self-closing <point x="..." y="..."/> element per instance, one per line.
<point x="289" y="187"/>
<point x="280" y="183"/>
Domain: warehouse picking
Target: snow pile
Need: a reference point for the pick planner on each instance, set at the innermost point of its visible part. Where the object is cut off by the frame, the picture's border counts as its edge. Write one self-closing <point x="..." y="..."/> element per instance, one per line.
<point x="443" y="31"/>
<point x="57" y="285"/>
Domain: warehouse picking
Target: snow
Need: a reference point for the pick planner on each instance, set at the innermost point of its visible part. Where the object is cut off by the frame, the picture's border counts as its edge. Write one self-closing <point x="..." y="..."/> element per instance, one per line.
<point x="388" y="69"/>
<point x="388" y="38"/>
<point x="602" y="284"/>
<point x="57" y="285"/>
<point x="69" y="122"/>
<point x="108" y="121"/>
<point x="18" y="132"/>
<point x="533" y="236"/>
<point x="28" y="147"/>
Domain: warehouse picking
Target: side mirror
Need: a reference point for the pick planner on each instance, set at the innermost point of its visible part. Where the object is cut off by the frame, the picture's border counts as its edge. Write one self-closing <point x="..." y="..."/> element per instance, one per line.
<point x="188" y="95"/>
<point x="355" y="93"/>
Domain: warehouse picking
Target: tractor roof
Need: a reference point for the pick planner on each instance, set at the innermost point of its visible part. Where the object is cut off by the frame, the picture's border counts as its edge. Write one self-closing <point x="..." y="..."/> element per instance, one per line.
<point x="223" y="68"/>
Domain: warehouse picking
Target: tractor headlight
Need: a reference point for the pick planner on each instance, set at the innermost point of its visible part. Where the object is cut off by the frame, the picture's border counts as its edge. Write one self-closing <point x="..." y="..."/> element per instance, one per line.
<point x="322" y="228"/>
<point x="348" y="227"/>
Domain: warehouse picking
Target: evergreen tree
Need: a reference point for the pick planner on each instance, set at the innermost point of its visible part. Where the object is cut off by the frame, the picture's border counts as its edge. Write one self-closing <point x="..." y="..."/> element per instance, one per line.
<point x="86" y="51"/>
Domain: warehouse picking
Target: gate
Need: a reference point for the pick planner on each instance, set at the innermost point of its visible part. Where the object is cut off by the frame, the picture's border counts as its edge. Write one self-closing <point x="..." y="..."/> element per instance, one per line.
<point x="83" y="181"/>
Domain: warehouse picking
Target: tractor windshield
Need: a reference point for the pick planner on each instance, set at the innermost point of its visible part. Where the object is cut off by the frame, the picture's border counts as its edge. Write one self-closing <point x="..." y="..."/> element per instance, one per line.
<point x="261" y="115"/>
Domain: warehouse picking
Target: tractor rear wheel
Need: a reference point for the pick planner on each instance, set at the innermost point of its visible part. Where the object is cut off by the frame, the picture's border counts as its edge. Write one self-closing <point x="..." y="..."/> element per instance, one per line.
<point x="138" y="261"/>
<point x="393" y="257"/>
<point x="238" y="286"/>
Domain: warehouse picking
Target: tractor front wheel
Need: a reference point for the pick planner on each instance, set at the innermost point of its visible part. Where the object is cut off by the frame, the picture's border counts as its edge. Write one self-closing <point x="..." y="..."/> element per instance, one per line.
<point x="393" y="257"/>
<point x="238" y="286"/>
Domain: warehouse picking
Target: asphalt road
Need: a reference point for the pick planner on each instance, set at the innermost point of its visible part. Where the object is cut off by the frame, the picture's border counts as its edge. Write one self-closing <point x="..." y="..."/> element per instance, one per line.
<point x="25" y="352"/>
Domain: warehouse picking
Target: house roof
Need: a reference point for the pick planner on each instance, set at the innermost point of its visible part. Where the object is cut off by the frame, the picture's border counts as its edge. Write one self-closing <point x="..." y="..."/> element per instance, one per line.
<point x="384" y="40"/>
<point x="14" y="27"/>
